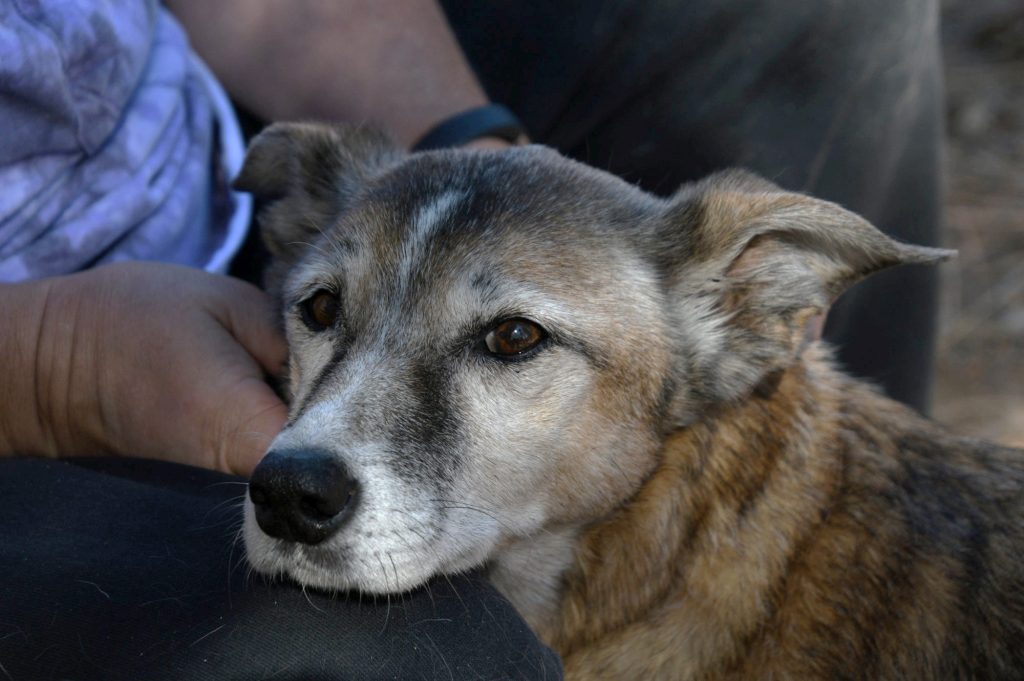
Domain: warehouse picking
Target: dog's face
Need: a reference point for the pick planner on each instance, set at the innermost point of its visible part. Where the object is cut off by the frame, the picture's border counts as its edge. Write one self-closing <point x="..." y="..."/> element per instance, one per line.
<point x="486" y="346"/>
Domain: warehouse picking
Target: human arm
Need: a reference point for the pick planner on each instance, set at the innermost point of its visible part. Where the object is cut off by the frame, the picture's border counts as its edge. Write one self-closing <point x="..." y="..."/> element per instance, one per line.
<point x="140" y="359"/>
<point x="395" y="65"/>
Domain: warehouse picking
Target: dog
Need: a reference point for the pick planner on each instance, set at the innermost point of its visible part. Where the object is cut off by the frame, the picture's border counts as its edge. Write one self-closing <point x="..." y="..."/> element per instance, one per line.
<point x="618" y="404"/>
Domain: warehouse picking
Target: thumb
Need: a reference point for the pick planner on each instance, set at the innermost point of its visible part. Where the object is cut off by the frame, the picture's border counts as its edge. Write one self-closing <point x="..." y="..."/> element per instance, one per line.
<point x="250" y="316"/>
<point x="249" y="427"/>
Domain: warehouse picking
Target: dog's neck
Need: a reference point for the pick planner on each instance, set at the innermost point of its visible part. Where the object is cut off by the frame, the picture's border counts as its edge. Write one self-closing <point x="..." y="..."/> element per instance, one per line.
<point x="530" y="573"/>
<point x="693" y="539"/>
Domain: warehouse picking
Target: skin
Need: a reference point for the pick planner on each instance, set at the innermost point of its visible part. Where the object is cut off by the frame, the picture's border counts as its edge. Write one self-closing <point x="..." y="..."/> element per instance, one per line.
<point x="394" y="65"/>
<point x="141" y="359"/>
<point x="166" y="362"/>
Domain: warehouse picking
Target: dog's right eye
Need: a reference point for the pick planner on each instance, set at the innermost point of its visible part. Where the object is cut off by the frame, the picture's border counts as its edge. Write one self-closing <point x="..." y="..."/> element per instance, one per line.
<point x="514" y="338"/>
<point x="320" y="311"/>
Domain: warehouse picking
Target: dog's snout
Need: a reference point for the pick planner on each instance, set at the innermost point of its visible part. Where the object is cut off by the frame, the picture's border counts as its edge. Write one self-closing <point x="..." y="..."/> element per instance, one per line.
<point x="302" y="495"/>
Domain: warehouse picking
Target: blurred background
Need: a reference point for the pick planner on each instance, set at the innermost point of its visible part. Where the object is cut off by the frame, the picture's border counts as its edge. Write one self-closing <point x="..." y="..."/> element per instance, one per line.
<point x="980" y="370"/>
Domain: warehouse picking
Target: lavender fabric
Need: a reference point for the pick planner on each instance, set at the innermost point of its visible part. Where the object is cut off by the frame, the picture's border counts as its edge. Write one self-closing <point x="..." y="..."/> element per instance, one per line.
<point x="107" y="148"/>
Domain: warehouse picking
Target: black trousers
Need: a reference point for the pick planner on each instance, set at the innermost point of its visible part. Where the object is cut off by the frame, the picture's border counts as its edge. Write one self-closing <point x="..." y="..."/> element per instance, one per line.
<point x="120" y="569"/>
<point x="129" y="570"/>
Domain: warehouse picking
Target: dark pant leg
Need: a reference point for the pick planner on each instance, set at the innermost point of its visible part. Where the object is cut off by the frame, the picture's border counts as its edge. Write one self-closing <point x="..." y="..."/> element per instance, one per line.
<point x="840" y="99"/>
<point x="129" y="569"/>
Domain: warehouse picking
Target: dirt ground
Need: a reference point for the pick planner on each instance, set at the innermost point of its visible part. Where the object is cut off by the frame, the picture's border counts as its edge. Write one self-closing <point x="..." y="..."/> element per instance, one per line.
<point x="980" y="370"/>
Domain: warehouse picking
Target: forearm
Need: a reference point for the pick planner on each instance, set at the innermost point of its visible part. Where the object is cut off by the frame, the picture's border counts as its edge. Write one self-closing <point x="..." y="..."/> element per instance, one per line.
<point x="393" y="64"/>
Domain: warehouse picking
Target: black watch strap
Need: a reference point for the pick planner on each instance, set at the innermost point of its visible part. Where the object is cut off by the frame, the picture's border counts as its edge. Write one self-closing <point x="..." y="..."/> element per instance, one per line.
<point x="490" y="120"/>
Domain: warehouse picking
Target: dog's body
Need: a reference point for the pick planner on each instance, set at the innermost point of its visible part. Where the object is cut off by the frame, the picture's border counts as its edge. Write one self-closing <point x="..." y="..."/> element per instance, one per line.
<point x="856" y="540"/>
<point x="615" y="403"/>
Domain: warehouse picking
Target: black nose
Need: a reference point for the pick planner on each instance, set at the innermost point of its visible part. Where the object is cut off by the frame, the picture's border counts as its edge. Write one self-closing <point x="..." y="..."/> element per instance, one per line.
<point x="302" y="495"/>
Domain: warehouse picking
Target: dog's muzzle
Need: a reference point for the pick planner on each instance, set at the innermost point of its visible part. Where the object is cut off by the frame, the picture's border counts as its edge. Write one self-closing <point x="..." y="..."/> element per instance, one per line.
<point x="302" y="495"/>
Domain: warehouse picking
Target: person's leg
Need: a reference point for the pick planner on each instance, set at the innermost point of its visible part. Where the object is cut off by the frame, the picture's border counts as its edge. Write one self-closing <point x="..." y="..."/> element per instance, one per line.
<point x="129" y="569"/>
<point x="838" y="99"/>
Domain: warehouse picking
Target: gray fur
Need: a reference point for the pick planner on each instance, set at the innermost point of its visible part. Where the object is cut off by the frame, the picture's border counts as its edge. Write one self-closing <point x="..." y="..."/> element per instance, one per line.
<point x="656" y="310"/>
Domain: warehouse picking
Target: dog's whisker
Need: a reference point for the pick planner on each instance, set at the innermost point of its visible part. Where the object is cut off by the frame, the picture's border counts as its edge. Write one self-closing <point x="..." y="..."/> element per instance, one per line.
<point x="309" y="600"/>
<point x="315" y="247"/>
<point x="455" y="591"/>
<point x="327" y="236"/>
<point x="233" y="561"/>
<point x="492" y="514"/>
<point x="387" y="613"/>
<point x="394" y="568"/>
<point x="233" y="502"/>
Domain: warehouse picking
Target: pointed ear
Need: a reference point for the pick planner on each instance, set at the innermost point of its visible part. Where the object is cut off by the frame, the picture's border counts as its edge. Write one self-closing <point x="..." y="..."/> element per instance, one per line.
<point x="750" y="267"/>
<point x="304" y="175"/>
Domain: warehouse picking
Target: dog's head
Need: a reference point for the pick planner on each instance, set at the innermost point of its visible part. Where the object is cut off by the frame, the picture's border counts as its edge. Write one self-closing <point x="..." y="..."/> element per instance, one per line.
<point x="487" y="345"/>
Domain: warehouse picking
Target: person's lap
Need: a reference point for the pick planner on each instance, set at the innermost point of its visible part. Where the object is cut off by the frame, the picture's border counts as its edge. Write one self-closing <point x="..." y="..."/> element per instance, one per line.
<point x="130" y="569"/>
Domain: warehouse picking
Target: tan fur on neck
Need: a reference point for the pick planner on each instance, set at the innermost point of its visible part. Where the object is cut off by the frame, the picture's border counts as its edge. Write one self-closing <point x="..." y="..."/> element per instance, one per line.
<point x="684" y="572"/>
<point x="729" y="561"/>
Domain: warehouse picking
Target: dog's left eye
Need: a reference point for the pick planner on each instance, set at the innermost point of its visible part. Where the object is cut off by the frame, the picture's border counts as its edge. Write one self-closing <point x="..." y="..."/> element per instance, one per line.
<point x="320" y="311"/>
<point x="513" y="338"/>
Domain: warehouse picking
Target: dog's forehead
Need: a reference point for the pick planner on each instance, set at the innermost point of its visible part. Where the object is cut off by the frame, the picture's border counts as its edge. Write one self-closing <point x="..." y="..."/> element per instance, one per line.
<point x="478" y="220"/>
<point x="455" y="197"/>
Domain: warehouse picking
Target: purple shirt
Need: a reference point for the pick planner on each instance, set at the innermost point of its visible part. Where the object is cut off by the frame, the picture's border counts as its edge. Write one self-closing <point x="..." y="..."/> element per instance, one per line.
<point x="108" y="149"/>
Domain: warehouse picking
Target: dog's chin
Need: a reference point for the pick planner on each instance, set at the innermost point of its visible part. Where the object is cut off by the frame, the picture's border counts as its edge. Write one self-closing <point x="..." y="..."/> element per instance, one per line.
<point x="372" y="571"/>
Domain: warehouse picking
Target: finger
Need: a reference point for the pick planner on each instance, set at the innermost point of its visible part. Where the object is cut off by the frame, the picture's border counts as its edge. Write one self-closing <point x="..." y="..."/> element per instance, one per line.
<point x="250" y="316"/>
<point x="255" y="423"/>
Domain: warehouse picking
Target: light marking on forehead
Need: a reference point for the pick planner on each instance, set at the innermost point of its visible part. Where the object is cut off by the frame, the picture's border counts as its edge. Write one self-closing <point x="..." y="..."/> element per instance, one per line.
<point x="429" y="214"/>
<point x="425" y="222"/>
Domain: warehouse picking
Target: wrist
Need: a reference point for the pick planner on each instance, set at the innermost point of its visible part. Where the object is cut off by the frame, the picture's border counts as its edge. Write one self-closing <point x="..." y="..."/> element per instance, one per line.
<point x="50" y="396"/>
<point x="478" y="126"/>
<point x="23" y="428"/>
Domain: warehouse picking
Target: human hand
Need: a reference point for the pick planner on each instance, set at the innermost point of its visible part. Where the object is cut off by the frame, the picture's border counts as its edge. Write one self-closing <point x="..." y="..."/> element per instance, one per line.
<point x="143" y="359"/>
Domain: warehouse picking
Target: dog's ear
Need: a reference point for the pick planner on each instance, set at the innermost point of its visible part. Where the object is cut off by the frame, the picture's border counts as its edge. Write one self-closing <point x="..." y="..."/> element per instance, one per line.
<point x="751" y="269"/>
<point x="304" y="174"/>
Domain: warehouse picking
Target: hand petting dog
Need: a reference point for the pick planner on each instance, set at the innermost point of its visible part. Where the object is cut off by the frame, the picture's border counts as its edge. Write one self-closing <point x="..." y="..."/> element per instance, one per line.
<point x="141" y="359"/>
